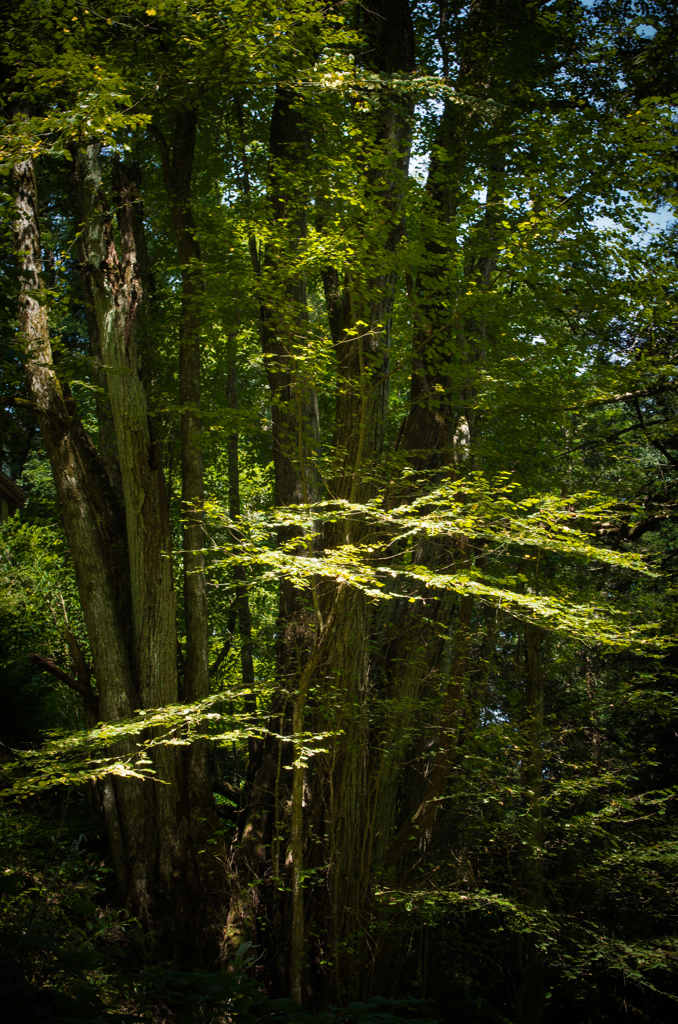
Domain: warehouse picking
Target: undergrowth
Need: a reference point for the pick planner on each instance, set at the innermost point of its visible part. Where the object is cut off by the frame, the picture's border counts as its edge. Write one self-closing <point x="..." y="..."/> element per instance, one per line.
<point x="69" y="955"/>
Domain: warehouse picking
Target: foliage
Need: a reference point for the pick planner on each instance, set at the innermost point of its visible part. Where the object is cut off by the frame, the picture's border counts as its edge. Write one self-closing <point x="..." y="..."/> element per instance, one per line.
<point x="467" y="509"/>
<point x="54" y="928"/>
<point x="500" y="441"/>
<point x="67" y="956"/>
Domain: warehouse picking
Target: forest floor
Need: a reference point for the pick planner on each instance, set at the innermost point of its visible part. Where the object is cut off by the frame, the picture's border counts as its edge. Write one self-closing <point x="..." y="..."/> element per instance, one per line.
<point x="70" y="955"/>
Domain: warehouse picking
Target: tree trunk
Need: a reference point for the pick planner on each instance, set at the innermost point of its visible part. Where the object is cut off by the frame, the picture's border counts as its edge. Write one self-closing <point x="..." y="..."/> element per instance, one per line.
<point x="107" y="444"/>
<point x="177" y="162"/>
<point x="323" y="651"/>
<point x="164" y="878"/>
<point x="283" y="332"/>
<point x="341" y="813"/>
<point x="294" y="407"/>
<point x="95" y="534"/>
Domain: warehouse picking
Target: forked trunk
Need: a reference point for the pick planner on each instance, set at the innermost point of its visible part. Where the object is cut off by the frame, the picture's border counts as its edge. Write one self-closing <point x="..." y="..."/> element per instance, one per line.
<point x="122" y="565"/>
<point x="95" y="533"/>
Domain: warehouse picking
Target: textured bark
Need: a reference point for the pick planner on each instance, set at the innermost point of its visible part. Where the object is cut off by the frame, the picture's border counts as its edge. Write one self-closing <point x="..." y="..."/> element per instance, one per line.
<point x="323" y="649"/>
<point x="442" y="427"/>
<point x="363" y="357"/>
<point x="342" y="811"/>
<point x="442" y="430"/>
<point x="283" y="324"/>
<point x="117" y="293"/>
<point x="294" y="406"/>
<point x="294" y="424"/>
<point x="430" y="432"/>
<point x="165" y="878"/>
<point x="364" y="811"/>
<point x="107" y="444"/>
<point x="119" y="297"/>
<point x="426" y="812"/>
<point x="86" y="502"/>
<point x="283" y="327"/>
<point x="177" y="163"/>
<point x="298" y="939"/>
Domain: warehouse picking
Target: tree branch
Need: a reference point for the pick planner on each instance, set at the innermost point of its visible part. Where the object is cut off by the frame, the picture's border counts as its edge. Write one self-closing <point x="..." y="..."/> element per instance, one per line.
<point x="624" y="397"/>
<point x="46" y="665"/>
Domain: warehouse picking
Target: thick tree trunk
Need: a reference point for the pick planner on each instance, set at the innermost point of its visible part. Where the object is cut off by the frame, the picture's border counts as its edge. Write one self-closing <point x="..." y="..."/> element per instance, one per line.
<point x="250" y="855"/>
<point x="283" y="331"/>
<point x="323" y="651"/>
<point x="437" y="779"/>
<point x="118" y="294"/>
<point x="107" y="444"/>
<point x="341" y="812"/>
<point x="177" y="162"/>
<point x="361" y="816"/>
<point x="178" y="165"/>
<point x="167" y="880"/>
<point x="94" y="532"/>
<point x="294" y="406"/>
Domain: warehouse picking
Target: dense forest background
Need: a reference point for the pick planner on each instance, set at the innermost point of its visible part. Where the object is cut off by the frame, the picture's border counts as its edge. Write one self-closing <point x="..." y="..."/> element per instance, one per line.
<point x="338" y="624"/>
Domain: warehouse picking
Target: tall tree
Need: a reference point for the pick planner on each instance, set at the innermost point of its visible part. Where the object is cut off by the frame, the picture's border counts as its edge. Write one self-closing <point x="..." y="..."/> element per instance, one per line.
<point x="410" y="335"/>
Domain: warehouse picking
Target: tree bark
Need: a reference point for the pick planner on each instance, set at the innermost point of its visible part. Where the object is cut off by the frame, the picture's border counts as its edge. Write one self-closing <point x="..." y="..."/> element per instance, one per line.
<point x="341" y="810"/>
<point x="94" y="532"/>
<point x="118" y="292"/>
<point x="425" y="813"/>
<point x="283" y="327"/>
<point x="178" y="166"/>
<point x="283" y="330"/>
<point x="178" y="163"/>
<point x="166" y="879"/>
<point x="107" y="444"/>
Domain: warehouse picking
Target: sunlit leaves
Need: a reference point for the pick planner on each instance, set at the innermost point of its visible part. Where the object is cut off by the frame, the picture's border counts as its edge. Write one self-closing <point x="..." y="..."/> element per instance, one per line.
<point x="472" y="510"/>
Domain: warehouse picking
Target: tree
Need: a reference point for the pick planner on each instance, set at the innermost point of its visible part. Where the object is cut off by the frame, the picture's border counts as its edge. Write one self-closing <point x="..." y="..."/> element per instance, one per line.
<point x="437" y="354"/>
